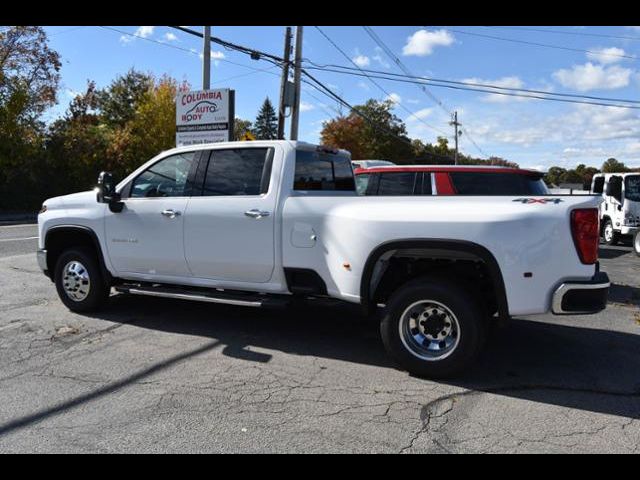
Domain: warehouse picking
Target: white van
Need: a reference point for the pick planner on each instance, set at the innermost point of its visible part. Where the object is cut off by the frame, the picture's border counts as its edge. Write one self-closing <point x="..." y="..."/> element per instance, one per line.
<point x="620" y="211"/>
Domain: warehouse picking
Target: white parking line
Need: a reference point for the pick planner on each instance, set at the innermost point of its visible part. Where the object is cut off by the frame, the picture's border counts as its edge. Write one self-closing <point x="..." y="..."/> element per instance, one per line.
<point x="16" y="239"/>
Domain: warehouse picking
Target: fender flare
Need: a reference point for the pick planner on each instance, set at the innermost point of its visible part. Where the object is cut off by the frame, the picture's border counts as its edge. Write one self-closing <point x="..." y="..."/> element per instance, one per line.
<point x="476" y="250"/>
<point x="85" y="230"/>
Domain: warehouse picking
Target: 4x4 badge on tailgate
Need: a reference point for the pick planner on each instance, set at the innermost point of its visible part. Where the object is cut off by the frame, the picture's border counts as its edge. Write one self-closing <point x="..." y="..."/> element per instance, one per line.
<point x="544" y="201"/>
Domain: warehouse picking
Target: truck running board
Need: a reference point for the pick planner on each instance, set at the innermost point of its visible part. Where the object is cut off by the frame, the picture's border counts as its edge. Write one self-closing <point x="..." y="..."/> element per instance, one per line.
<point x="213" y="296"/>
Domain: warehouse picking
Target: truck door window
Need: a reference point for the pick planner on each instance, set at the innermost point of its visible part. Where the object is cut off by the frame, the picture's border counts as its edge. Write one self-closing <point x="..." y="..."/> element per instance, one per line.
<point x="491" y="183"/>
<point x="166" y="178"/>
<point x="239" y="171"/>
<point x="632" y="188"/>
<point x="323" y="171"/>
<point x="397" y="183"/>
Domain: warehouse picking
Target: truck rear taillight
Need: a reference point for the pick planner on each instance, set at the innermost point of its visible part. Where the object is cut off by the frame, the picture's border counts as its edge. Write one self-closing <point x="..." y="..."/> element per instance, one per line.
<point x="585" y="232"/>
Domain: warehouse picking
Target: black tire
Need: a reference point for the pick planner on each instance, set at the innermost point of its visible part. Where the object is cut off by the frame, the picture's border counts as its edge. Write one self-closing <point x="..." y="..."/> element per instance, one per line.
<point x="636" y="243"/>
<point x="615" y="236"/>
<point x="98" y="288"/>
<point x="470" y="319"/>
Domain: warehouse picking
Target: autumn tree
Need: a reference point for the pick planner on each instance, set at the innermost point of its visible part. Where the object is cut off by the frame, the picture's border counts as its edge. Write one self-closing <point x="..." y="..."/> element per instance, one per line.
<point x="371" y="131"/>
<point x="266" y="125"/>
<point x="240" y="127"/>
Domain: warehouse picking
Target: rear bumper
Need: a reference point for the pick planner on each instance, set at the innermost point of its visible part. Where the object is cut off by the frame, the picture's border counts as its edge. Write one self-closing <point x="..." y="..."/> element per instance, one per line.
<point x="581" y="298"/>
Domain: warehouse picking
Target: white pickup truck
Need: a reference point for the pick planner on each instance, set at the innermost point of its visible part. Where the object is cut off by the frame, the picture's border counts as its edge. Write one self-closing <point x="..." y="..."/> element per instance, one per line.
<point x="264" y="222"/>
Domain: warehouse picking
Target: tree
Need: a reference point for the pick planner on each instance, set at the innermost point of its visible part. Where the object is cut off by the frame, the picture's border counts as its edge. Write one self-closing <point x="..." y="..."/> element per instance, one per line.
<point x="371" y="131"/>
<point x="29" y="79"/>
<point x="266" y="126"/>
<point x="612" y="165"/>
<point x="240" y="127"/>
<point x="118" y="102"/>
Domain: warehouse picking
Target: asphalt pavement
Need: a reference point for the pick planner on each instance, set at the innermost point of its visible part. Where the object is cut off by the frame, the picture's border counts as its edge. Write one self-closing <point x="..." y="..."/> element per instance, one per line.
<point x="158" y="375"/>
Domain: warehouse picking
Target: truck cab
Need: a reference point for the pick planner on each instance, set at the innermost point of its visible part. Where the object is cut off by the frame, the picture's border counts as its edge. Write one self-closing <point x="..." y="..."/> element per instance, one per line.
<point x="620" y="210"/>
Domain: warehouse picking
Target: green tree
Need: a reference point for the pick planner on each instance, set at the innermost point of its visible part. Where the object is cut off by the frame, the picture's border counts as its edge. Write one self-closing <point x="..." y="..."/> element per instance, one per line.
<point x="119" y="101"/>
<point x="266" y="125"/>
<point x="29" y="79"/>
<point x="612" y="165"/>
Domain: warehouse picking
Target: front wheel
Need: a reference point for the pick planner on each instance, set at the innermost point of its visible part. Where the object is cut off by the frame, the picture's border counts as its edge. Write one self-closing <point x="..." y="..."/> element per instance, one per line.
<point x="609" y="235"/>
<point x="636" y="243"/>
<point x="433" y="328"/>
<point x="79" y="281"/>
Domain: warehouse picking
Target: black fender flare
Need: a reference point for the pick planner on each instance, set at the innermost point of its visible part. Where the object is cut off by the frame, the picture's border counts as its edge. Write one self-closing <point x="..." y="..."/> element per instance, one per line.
<point x="85" y="231"/>
<point x="476" y="250"/>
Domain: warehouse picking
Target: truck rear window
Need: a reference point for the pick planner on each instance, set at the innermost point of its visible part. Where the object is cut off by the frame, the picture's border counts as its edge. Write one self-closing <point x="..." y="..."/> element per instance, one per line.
<point x="490" y="183"/>
<point x="323" y="171"/>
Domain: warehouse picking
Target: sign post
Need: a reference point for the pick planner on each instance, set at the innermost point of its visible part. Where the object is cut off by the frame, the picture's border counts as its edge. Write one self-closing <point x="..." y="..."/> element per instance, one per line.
<point x="204" y="116"/>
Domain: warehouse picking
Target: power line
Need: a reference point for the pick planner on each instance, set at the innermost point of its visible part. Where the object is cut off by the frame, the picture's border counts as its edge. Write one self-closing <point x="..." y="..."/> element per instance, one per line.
<point x="546" y="45"/>
<point x="189" y="51"/>
<point x="478" y="84"/>
<point x="411" y="113"/>
<point x="395" y="58"/>
<point x="483" y="88"/>
<point x="564" y="32"/>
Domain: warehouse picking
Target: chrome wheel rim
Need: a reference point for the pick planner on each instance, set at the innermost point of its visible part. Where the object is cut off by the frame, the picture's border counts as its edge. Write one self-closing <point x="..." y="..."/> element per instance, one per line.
<point x="608" y="232"/>
<point x="429" y="330"/>
<point x="636" y="243"/>
<point x="76" y="281"/>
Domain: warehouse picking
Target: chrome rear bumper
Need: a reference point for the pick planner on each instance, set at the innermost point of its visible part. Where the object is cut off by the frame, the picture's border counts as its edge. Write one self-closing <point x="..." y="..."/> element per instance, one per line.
<point x="581" y="298"/>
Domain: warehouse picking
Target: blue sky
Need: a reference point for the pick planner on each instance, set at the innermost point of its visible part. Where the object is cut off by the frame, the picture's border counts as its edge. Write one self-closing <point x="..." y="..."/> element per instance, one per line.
<point x="533" y="133"/>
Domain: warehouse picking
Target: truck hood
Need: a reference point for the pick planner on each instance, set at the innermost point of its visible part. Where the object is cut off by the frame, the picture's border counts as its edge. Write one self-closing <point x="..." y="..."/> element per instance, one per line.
<point x="73" y="200"/>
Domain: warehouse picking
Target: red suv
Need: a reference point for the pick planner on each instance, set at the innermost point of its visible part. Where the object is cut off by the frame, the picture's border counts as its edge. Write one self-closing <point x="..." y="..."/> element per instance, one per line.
<point x="449" y="180"/>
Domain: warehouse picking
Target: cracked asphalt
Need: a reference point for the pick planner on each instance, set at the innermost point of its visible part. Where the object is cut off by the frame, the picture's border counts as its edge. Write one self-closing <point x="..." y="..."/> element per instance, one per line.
<point x="156" y="375"/>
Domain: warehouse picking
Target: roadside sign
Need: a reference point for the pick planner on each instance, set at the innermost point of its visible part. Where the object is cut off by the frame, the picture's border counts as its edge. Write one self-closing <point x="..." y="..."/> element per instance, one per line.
<point x="204" y="116"/>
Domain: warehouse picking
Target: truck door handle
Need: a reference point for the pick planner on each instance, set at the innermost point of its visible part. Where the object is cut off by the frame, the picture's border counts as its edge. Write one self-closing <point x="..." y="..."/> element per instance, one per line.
<point x="170" y="213"/>
<point x="255" y="213"/>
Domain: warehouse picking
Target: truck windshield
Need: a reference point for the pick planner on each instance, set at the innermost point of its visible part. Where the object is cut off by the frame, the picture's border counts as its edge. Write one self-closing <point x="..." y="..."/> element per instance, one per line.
<point x="632" y="188"/>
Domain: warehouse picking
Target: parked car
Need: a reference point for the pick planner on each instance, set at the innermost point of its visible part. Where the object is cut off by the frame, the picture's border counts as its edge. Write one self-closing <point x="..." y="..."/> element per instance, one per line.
<point x="260" y="223"/>
<point x="370" y="163"/>
<point x="449" y="180"/>
<point x="620" y="211"/>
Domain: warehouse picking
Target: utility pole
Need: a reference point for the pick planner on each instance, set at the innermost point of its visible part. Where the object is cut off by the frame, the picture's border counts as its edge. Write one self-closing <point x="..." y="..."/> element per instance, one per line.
<point x="206" y="58"/>
<point x="284" y="82"/>
<point x="455" y="124"/>
<point x="295" y="109"/>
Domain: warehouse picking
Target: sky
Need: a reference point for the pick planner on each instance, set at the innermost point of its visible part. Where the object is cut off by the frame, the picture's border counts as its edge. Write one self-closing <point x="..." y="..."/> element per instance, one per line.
<point x="534" y="133"/>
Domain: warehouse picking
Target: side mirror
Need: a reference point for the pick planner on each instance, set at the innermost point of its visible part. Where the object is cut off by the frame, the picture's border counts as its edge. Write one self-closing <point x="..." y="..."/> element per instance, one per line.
<point x="106" y="192"/>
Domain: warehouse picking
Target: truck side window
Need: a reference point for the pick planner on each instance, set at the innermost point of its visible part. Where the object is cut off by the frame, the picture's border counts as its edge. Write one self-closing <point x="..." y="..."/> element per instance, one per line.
<point x="237" y="172"/>
<point x="166" y="178"/>
<point x="598" y="185"/>
<point x="397" y="183"/>
<point x="323" y="171"/>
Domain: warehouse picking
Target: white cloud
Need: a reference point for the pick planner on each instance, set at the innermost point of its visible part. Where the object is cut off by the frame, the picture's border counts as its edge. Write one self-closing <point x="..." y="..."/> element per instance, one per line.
<point x="591" y="77"/>
<point x="124" y="39"/>
<point x="215" y="55"/>
<point x="170" y="37"/>
<point x="422" y="42"/>
<point x="394" y="98"/>
<point x="413" y="101"/>
<point x="505" y="82"/>
<point x="144" y="32"/>
<point x="305" y="106"/>
<point x="364" y="86"/>
<point x="420" y="114"/>
<point x="606" y="55"/>
<point x="380" y="59"/>
<point x="361" y="61"/>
